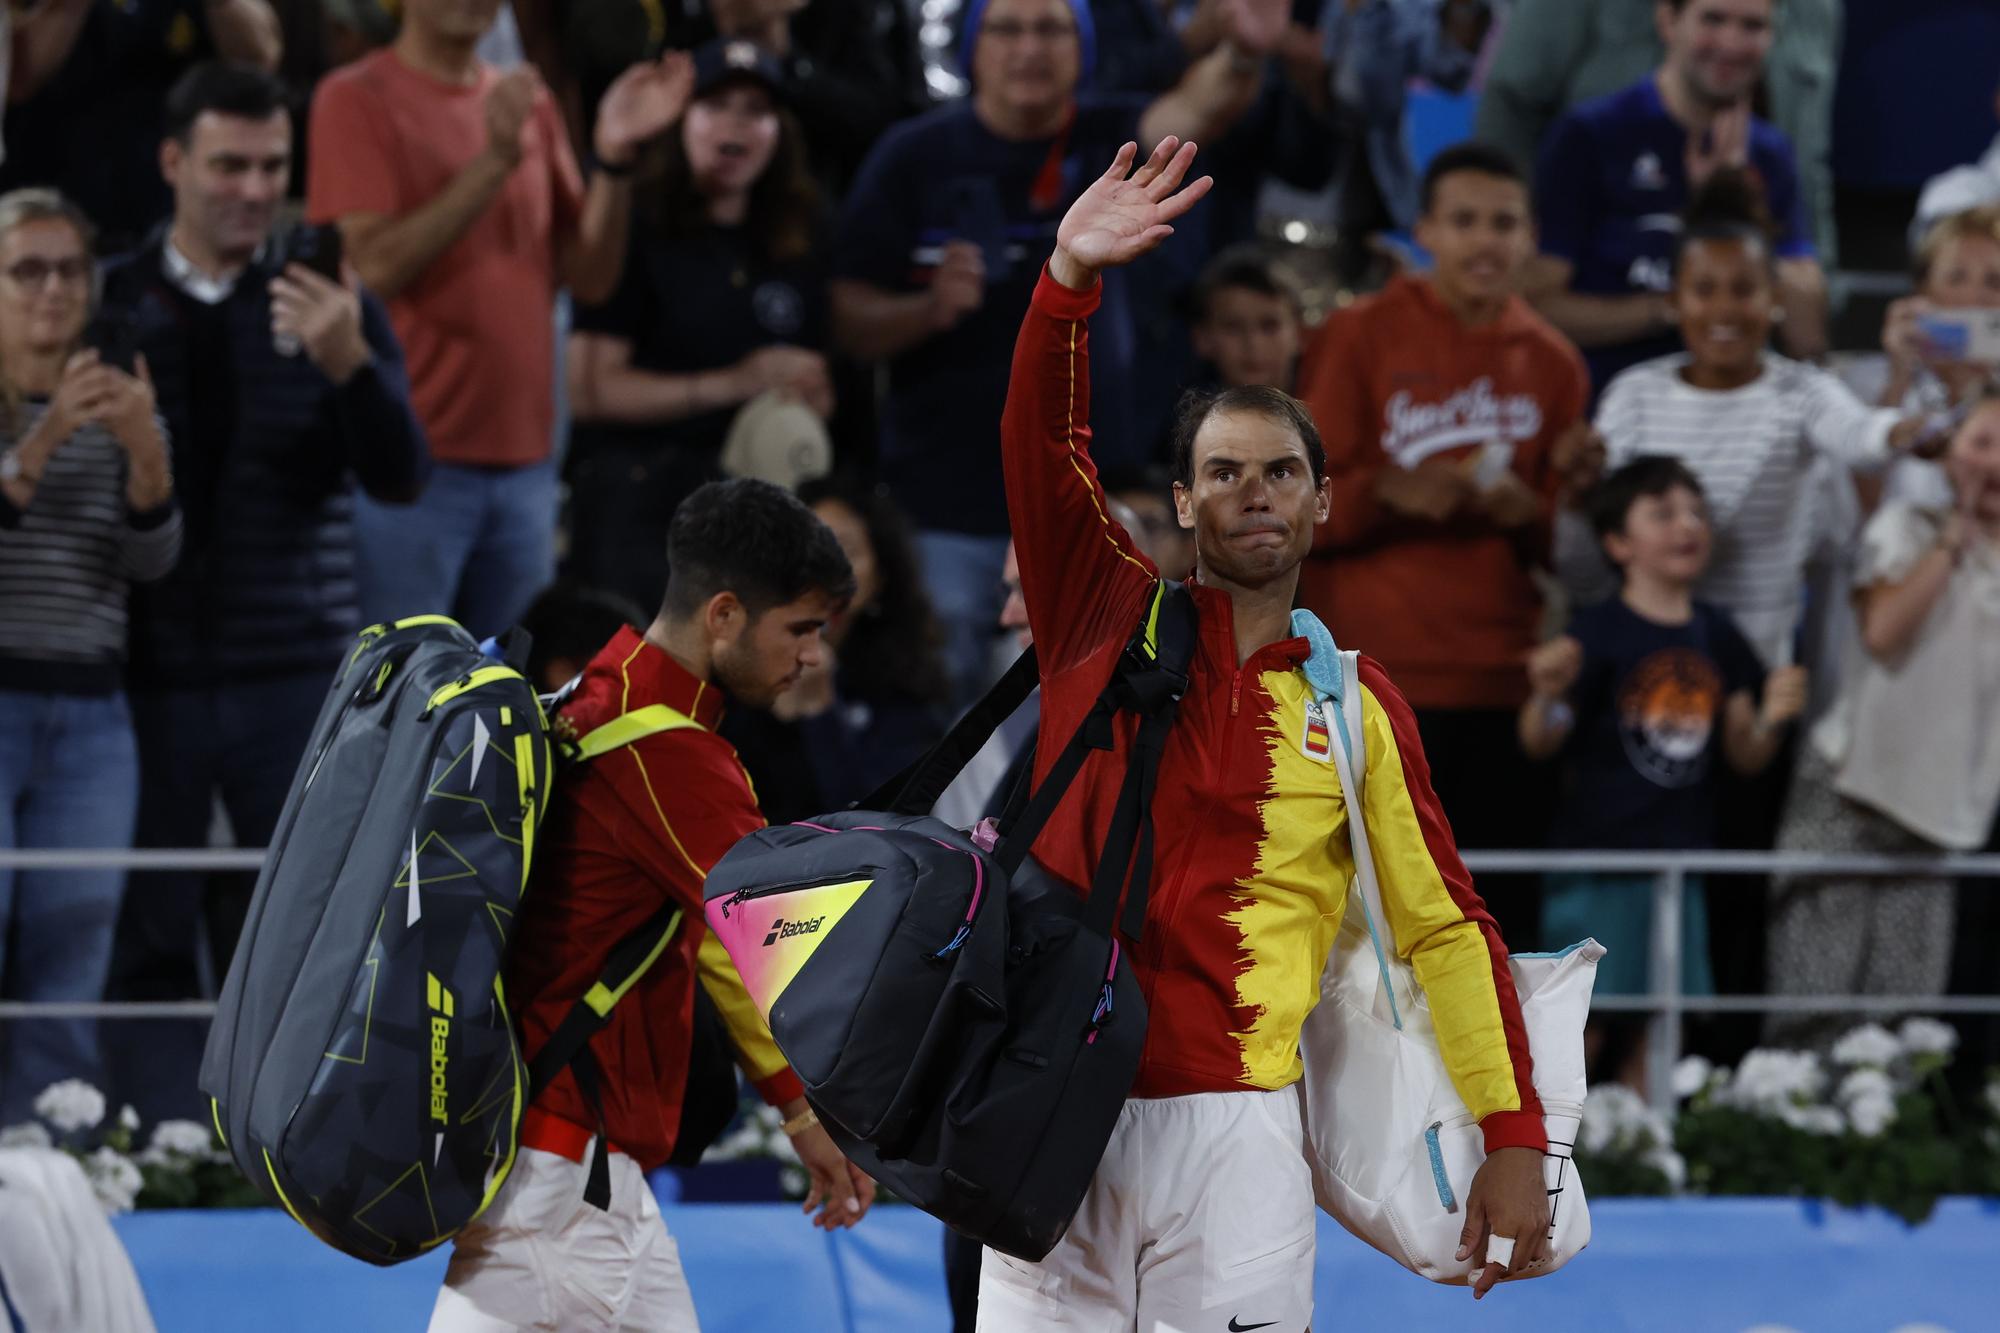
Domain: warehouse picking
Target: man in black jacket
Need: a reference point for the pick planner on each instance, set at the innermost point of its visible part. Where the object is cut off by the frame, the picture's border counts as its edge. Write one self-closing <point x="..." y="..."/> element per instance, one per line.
<point x="282" y="388"/>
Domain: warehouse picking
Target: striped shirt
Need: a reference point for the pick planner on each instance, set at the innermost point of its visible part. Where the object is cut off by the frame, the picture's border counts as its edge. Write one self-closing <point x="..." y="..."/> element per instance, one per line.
<point x="1756" y="450"/>
<point x="66" y="561"/>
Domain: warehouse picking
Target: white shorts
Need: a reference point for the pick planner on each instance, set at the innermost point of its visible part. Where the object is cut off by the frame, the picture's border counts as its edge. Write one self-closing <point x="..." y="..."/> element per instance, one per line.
<point x="1200" y="1219"/>
<point x="541" y="1258"/>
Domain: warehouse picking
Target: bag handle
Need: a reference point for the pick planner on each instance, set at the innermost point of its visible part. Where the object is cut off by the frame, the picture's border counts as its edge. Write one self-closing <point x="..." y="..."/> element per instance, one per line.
<point x="1347" y="717"/>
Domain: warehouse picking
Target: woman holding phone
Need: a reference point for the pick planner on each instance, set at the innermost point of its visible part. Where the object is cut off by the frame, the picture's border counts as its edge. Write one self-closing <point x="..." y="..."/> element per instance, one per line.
<point x="86" y="507"/>
<point x="1957" y="271"/>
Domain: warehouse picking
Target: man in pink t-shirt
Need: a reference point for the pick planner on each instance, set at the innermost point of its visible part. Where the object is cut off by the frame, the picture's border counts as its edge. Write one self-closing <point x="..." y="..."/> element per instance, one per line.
<point x="461" y="204"/>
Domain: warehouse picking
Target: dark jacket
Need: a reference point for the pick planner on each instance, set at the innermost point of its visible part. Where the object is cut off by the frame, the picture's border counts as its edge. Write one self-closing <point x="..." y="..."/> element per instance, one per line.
<point x="266" y="451"/>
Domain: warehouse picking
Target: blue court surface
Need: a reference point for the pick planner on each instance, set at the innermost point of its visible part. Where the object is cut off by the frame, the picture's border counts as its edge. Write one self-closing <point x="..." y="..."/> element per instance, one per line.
<point x="1657" y="1266"/>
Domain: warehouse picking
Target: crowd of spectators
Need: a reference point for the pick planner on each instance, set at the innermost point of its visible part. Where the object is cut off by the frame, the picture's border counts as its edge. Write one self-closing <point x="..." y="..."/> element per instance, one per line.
<point x="319" y="314"/>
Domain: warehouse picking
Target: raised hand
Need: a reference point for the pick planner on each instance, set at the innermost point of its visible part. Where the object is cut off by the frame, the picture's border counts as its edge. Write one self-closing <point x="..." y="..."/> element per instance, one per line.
<point x="1121" y="217"/>
<point x="958" y="284"/>
<point x="642" y="103"/>
<point x="1256" y="26"/>
<point x="1786" y="691"/>
<point x="508" y="103"/>
<point x="324" y="316"/>
<point x="1726" y="144"/>
<point x="1554" y="667"/>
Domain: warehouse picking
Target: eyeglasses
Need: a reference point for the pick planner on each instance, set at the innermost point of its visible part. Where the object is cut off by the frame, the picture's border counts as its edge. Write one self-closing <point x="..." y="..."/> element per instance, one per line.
<point x="1013" y="30"/>
<point x="32" y="274"/>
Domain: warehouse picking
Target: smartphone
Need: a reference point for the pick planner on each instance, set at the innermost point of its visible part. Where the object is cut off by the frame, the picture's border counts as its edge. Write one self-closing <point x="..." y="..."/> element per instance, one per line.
<point x="114" y="343"/>
<point x="319" y="249"/>
<point x="1962" y="335"/>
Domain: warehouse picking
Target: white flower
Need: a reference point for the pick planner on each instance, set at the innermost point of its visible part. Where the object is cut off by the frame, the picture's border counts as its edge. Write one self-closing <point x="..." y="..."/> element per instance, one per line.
<point x="128" y="1120"/>
<point x="70" y="1105"/>
<point x="1769" y="1080"/>
<point x="1864" y="1083"/>
<point x="1826" y="1121"/>
<point x="185" y="1138"/>
<point x="1993" y="1093"/>
<point x="1691" y="1075"/>
<point x="1927" y="1036"/>
<point x="1869" y="1044"/>
<point x="30" y="1134"/>
<point x="1871" y="1115"/>
<point x="1674" y="1167"/>
<point x="1618" y="1120"/>
<point x="113" y="1179"/>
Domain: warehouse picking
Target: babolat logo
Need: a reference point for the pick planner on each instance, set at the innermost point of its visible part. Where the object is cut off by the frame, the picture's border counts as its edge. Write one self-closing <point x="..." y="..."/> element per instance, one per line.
<point x="782" y="929"/>
<point x="443" y="1010"/>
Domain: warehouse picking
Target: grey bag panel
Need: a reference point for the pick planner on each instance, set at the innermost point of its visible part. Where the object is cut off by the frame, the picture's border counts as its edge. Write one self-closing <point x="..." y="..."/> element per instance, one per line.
<point x="334" y="1022"/>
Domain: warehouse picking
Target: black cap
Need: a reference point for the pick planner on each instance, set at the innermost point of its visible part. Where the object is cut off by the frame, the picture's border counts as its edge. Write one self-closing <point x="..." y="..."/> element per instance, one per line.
<point x="732" y="59"/>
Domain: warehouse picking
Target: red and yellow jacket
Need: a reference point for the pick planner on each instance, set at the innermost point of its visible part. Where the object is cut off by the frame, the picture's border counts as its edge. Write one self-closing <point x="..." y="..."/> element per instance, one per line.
<point x="1251" y="859"/>
<point x="633" y="829"/>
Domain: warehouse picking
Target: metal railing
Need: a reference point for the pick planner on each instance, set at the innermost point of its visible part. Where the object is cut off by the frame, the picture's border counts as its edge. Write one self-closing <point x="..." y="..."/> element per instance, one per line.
<point x="1665" y="1000"/>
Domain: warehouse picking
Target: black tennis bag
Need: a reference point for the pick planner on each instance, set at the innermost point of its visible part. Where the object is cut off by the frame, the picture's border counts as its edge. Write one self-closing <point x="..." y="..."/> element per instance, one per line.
<point x="967" y="1026"/>
<point x="363" y="1068"/>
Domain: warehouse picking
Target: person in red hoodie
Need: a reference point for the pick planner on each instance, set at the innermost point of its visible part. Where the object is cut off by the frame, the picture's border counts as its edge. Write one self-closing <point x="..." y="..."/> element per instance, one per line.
<point x="1452" y="414"/>
<point x="755" y="577"/>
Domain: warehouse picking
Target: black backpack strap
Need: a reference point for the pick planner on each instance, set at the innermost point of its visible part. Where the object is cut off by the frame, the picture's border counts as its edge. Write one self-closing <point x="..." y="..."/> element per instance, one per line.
<point x="917" y="788"/>
<point x="1151" y="677"/>
<point x="568" y="1047"/>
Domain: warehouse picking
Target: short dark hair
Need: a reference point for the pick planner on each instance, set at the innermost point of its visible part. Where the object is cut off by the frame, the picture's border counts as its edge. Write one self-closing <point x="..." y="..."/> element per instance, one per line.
<point x="1610" y="502"/>
<point x="754" y="539"/>
<point x="1275" y="405"/>
<point x="1248" y="267"/>
<point x="225" y="87"/>
<point x="568" y="622"/>
<point x="1483" y="159"/>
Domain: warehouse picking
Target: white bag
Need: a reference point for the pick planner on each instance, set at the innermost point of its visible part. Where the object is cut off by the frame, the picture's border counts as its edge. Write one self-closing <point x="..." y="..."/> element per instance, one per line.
<point x="1392" y="1147"/>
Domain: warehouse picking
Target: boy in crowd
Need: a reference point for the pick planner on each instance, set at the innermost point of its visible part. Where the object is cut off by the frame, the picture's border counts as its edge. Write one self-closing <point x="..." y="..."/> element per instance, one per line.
<point x="1248" y="320"/>
<point x="1640" y="696"/>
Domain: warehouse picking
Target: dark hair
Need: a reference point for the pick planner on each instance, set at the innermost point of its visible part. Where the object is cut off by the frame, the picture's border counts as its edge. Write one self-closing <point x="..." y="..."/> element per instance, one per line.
<point x="1248" y="267"/>
<point x="568" y="622"/>
<point x="895" y="647"/>
<point x="784" y="213"/>
<point x="754" y="539"/>
<point x="1482" y="159"/>
<point x="1728" y="207"/>
<point x="1610" y="502"/>
<point x="225" y="87"/>
<point x="1274" y="405"/>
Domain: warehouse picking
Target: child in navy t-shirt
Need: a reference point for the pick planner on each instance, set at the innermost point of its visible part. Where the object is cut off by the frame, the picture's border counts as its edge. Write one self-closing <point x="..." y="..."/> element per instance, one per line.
<point x="1641" y="698"/>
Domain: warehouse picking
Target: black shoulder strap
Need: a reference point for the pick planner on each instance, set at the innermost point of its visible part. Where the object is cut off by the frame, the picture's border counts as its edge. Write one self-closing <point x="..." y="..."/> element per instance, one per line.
<point x="1151" y="677"/>
<point x="568" y="1047"/>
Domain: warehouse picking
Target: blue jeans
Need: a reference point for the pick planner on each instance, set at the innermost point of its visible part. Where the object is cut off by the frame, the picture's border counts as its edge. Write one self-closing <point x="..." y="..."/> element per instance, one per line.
<point x="238" y="743"/>
<point x="962" y="576"/>
<point x="69" y="777"/>
<point x="477" y="545"/>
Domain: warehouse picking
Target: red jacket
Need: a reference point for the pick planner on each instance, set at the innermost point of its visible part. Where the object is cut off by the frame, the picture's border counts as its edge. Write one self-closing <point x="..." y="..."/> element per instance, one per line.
<point x="630" y="830"/>
<point x="1393" y="380"/>
<point x="1251" y="859"/>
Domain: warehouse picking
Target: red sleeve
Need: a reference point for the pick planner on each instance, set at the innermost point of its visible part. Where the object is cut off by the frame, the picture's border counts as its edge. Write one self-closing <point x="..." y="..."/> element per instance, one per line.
<point x="1333" y="384"/>
<point x="351" y="165"/>
<point x="691" y="801"/>
<point x="1081" y="575"/>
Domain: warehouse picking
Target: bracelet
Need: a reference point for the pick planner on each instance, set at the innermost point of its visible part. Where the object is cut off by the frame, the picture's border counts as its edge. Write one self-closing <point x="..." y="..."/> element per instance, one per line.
<point x="615" y="170"/>
<point x="800" y="1123"/>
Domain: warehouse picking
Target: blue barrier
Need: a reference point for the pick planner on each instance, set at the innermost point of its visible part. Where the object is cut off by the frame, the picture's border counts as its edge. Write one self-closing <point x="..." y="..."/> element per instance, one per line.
<point x="1656" y="1266"/>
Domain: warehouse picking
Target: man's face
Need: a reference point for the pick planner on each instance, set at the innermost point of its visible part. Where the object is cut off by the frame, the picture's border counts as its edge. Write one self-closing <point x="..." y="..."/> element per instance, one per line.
<point x="1480" y="234"/>
<point x="1250" y="337"/>
<point x="452" y="20"/>
<point x="757" y="658"/>
<point x="229" y="179"/>
<point x="1253" y="504"/>
<point x="1717" y="47"/>
<point x="1027" y="58"/>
